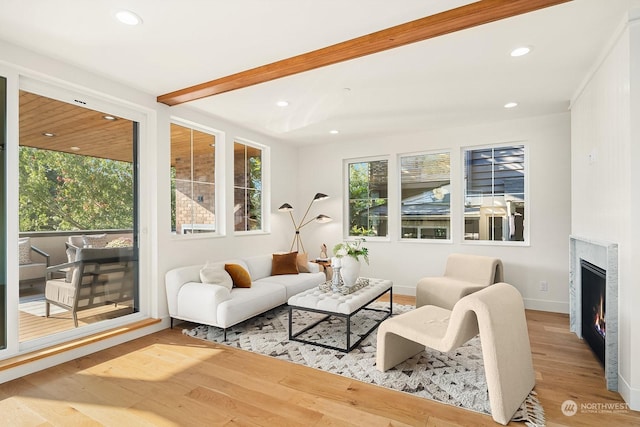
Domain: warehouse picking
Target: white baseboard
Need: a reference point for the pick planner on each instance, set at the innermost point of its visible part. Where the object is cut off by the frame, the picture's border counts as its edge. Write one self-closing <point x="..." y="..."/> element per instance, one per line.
<point x="546" y="305"/>
<point x="531" y="304"/>
<point x="629" y="394"/>
<point x="404" y="290"/>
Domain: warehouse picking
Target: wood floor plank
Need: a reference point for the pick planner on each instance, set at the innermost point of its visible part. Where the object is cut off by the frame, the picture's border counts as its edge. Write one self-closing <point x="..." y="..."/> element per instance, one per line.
<point x="171" y="379"/>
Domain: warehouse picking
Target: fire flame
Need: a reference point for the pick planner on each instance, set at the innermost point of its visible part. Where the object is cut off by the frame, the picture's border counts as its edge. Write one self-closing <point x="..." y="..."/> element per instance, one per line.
<point x="599" y="322"/>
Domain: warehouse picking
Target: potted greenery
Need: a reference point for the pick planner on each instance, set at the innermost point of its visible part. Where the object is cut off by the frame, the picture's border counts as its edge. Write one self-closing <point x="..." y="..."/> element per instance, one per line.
<point x="348" y="259"/>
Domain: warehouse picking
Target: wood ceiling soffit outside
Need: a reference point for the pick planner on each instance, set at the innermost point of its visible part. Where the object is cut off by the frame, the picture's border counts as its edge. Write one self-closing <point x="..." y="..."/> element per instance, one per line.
<point x="471" y="15"/>
<point x="73" y="126"/>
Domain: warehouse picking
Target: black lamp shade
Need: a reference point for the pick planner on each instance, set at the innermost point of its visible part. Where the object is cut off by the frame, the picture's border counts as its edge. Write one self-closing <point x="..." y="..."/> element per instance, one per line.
<point x="286" y="207"/>
<point x="323" y="218"/>
<point x="320" y="196"/>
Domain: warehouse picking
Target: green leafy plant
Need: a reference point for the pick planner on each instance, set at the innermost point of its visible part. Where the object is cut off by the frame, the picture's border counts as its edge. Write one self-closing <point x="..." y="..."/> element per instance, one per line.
<point x="353" y="249"/>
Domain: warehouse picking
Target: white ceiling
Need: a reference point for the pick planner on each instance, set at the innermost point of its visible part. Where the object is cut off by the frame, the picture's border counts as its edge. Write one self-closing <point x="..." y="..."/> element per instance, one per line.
<point x="465" y="77"/>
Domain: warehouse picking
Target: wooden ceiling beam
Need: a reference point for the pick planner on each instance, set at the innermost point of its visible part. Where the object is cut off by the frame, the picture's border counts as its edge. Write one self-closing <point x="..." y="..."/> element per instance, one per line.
<point x="468" y="16"/>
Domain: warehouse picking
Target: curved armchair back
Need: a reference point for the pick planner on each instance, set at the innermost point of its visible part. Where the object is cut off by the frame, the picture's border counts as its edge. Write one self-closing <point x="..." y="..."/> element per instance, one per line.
<point x="482" y="270"/>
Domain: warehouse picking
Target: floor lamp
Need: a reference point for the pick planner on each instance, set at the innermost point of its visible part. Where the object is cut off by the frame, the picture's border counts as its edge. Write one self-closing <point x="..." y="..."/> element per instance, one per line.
<point x="297" y="240"/>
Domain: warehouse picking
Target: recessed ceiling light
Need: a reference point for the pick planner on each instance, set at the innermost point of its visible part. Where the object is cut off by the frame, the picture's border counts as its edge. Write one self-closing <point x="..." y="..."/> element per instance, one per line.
<point x="282" y="103"/>
<point x="510" y="105"/>
<point x="107" y="117"/>
<point x="75" y="148"/>
<point x="48" y="134"/>
<point x="520" y="51"/>
<point x="128" y="17"/>
<point x="334" y="131"/>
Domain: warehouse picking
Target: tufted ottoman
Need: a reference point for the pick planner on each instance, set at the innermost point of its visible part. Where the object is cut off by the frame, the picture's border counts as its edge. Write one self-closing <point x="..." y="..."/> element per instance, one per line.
<point x="335" y="304"/>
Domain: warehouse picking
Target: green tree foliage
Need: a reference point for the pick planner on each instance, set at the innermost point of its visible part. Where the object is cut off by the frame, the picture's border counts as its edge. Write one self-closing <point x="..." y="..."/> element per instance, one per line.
<point x="363" y="197"/>
<point x="61" y="191"/>
<point x="255" y="192"/>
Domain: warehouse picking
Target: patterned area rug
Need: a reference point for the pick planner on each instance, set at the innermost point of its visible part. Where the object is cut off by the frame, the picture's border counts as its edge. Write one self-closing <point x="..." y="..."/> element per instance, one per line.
<point x="455" y="378"/>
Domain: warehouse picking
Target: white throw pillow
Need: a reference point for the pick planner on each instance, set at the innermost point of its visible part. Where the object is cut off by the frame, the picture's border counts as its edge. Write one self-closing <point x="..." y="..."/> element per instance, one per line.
<point x="24" y="251"/>
<point x="216" y="274"/>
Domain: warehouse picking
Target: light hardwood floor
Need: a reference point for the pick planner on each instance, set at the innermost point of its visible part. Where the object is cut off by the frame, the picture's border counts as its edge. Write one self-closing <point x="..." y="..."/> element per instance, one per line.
<point x="170" y="379"/>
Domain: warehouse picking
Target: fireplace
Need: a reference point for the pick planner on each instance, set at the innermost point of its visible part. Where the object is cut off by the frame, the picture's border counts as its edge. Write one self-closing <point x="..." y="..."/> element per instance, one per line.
<point x="596" y="319"/>
<point x="593" y="281"/>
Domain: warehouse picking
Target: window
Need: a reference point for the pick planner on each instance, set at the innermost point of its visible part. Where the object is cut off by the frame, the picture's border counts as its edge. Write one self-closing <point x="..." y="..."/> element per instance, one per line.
<point x="193" y="189"/>
<point x="368" y="197"/>
<point x="425" y="205"/>
<point x="247" y="186"/>
<point x="494" y="193"/>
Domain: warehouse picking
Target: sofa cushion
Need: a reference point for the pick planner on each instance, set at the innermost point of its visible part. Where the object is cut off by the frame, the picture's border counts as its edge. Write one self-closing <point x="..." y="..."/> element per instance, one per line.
<point x="303" y="263"/>
<point x="294" y="283"/>
<point x="258" y="266"/>
<point x="24" y="251"/>
<point x="95" y="240"/>
<point x="36" y="270"/>
<point x="246" y="303"/>
<point x="215" y="273"/>
<point x="120" y="242"/>
<point x="284" y="264"/>
<point x="71" y="257"/>
<point x="240" y="276"/>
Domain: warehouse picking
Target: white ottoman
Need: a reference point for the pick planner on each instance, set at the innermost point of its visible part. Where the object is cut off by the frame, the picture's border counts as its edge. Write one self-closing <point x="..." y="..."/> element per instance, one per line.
<point x="335" y="304"/>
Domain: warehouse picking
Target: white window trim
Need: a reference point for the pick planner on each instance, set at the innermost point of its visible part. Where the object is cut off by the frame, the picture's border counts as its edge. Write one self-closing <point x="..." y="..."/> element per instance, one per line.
<point x="527" y="198"/>
<point x="219" y="177"/>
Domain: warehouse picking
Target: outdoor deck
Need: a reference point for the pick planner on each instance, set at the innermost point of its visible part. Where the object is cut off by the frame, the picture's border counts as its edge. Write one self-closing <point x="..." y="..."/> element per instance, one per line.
<point x="34" y="325"/>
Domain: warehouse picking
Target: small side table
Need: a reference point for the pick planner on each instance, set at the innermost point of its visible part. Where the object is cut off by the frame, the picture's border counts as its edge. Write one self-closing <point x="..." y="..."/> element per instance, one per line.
<point x="326" y="265"/>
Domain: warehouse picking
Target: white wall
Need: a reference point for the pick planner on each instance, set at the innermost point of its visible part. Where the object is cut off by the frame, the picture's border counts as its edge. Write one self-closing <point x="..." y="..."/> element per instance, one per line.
<point x="159" y="250"/>
<point x="178" y="251"/>
<point x="605" y="155"/>
<point x="547" y="258"/>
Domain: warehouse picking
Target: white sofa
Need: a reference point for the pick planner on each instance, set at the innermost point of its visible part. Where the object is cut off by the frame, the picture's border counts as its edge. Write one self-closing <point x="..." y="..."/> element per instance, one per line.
<point x="191" y="300"/>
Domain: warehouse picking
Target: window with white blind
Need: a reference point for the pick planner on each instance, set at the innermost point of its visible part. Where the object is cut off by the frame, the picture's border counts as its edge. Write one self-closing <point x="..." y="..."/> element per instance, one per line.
<point x="495" y="193"/>
<point x="425" y="199"/>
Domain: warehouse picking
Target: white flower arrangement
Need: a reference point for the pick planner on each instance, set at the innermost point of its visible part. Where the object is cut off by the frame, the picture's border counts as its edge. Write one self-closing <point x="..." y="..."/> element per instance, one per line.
<point x="353" y="249"/>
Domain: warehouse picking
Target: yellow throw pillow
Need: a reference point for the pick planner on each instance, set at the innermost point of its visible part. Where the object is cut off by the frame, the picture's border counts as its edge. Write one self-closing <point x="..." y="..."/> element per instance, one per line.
<point x="284" y="264"/>
<point x="302" y="260"/>
<point x="240" y="276"/>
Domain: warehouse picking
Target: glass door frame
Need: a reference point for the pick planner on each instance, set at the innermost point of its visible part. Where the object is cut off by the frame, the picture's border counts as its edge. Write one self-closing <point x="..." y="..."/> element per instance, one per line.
<point x="18" y="81"/>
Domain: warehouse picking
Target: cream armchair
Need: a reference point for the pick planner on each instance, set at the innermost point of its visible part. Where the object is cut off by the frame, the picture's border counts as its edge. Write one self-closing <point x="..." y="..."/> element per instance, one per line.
<point x="497" y="313"/>
<point x="463" y="275"/>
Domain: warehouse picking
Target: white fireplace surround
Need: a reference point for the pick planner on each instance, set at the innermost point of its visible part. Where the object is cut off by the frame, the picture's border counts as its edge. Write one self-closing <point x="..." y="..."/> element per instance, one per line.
<point x="605" y="256"/>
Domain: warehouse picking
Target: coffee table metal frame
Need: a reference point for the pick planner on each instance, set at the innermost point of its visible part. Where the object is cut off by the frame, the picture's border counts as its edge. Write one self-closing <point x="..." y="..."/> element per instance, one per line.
<point x="329" y="314"/>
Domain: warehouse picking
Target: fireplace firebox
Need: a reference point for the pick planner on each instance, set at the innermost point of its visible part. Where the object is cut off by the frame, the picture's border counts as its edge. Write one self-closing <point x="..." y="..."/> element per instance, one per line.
<point x="593" y="307"/>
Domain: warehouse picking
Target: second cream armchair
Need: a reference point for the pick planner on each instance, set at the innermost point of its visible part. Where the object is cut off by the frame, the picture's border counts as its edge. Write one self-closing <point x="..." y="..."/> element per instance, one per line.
<point x="463" y="275"/>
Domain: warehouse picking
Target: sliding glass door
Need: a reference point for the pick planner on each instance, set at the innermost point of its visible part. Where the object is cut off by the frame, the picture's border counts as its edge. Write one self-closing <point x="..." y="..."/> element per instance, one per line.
<point x="3" y="210"/>
<point x="78" y="192"/>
